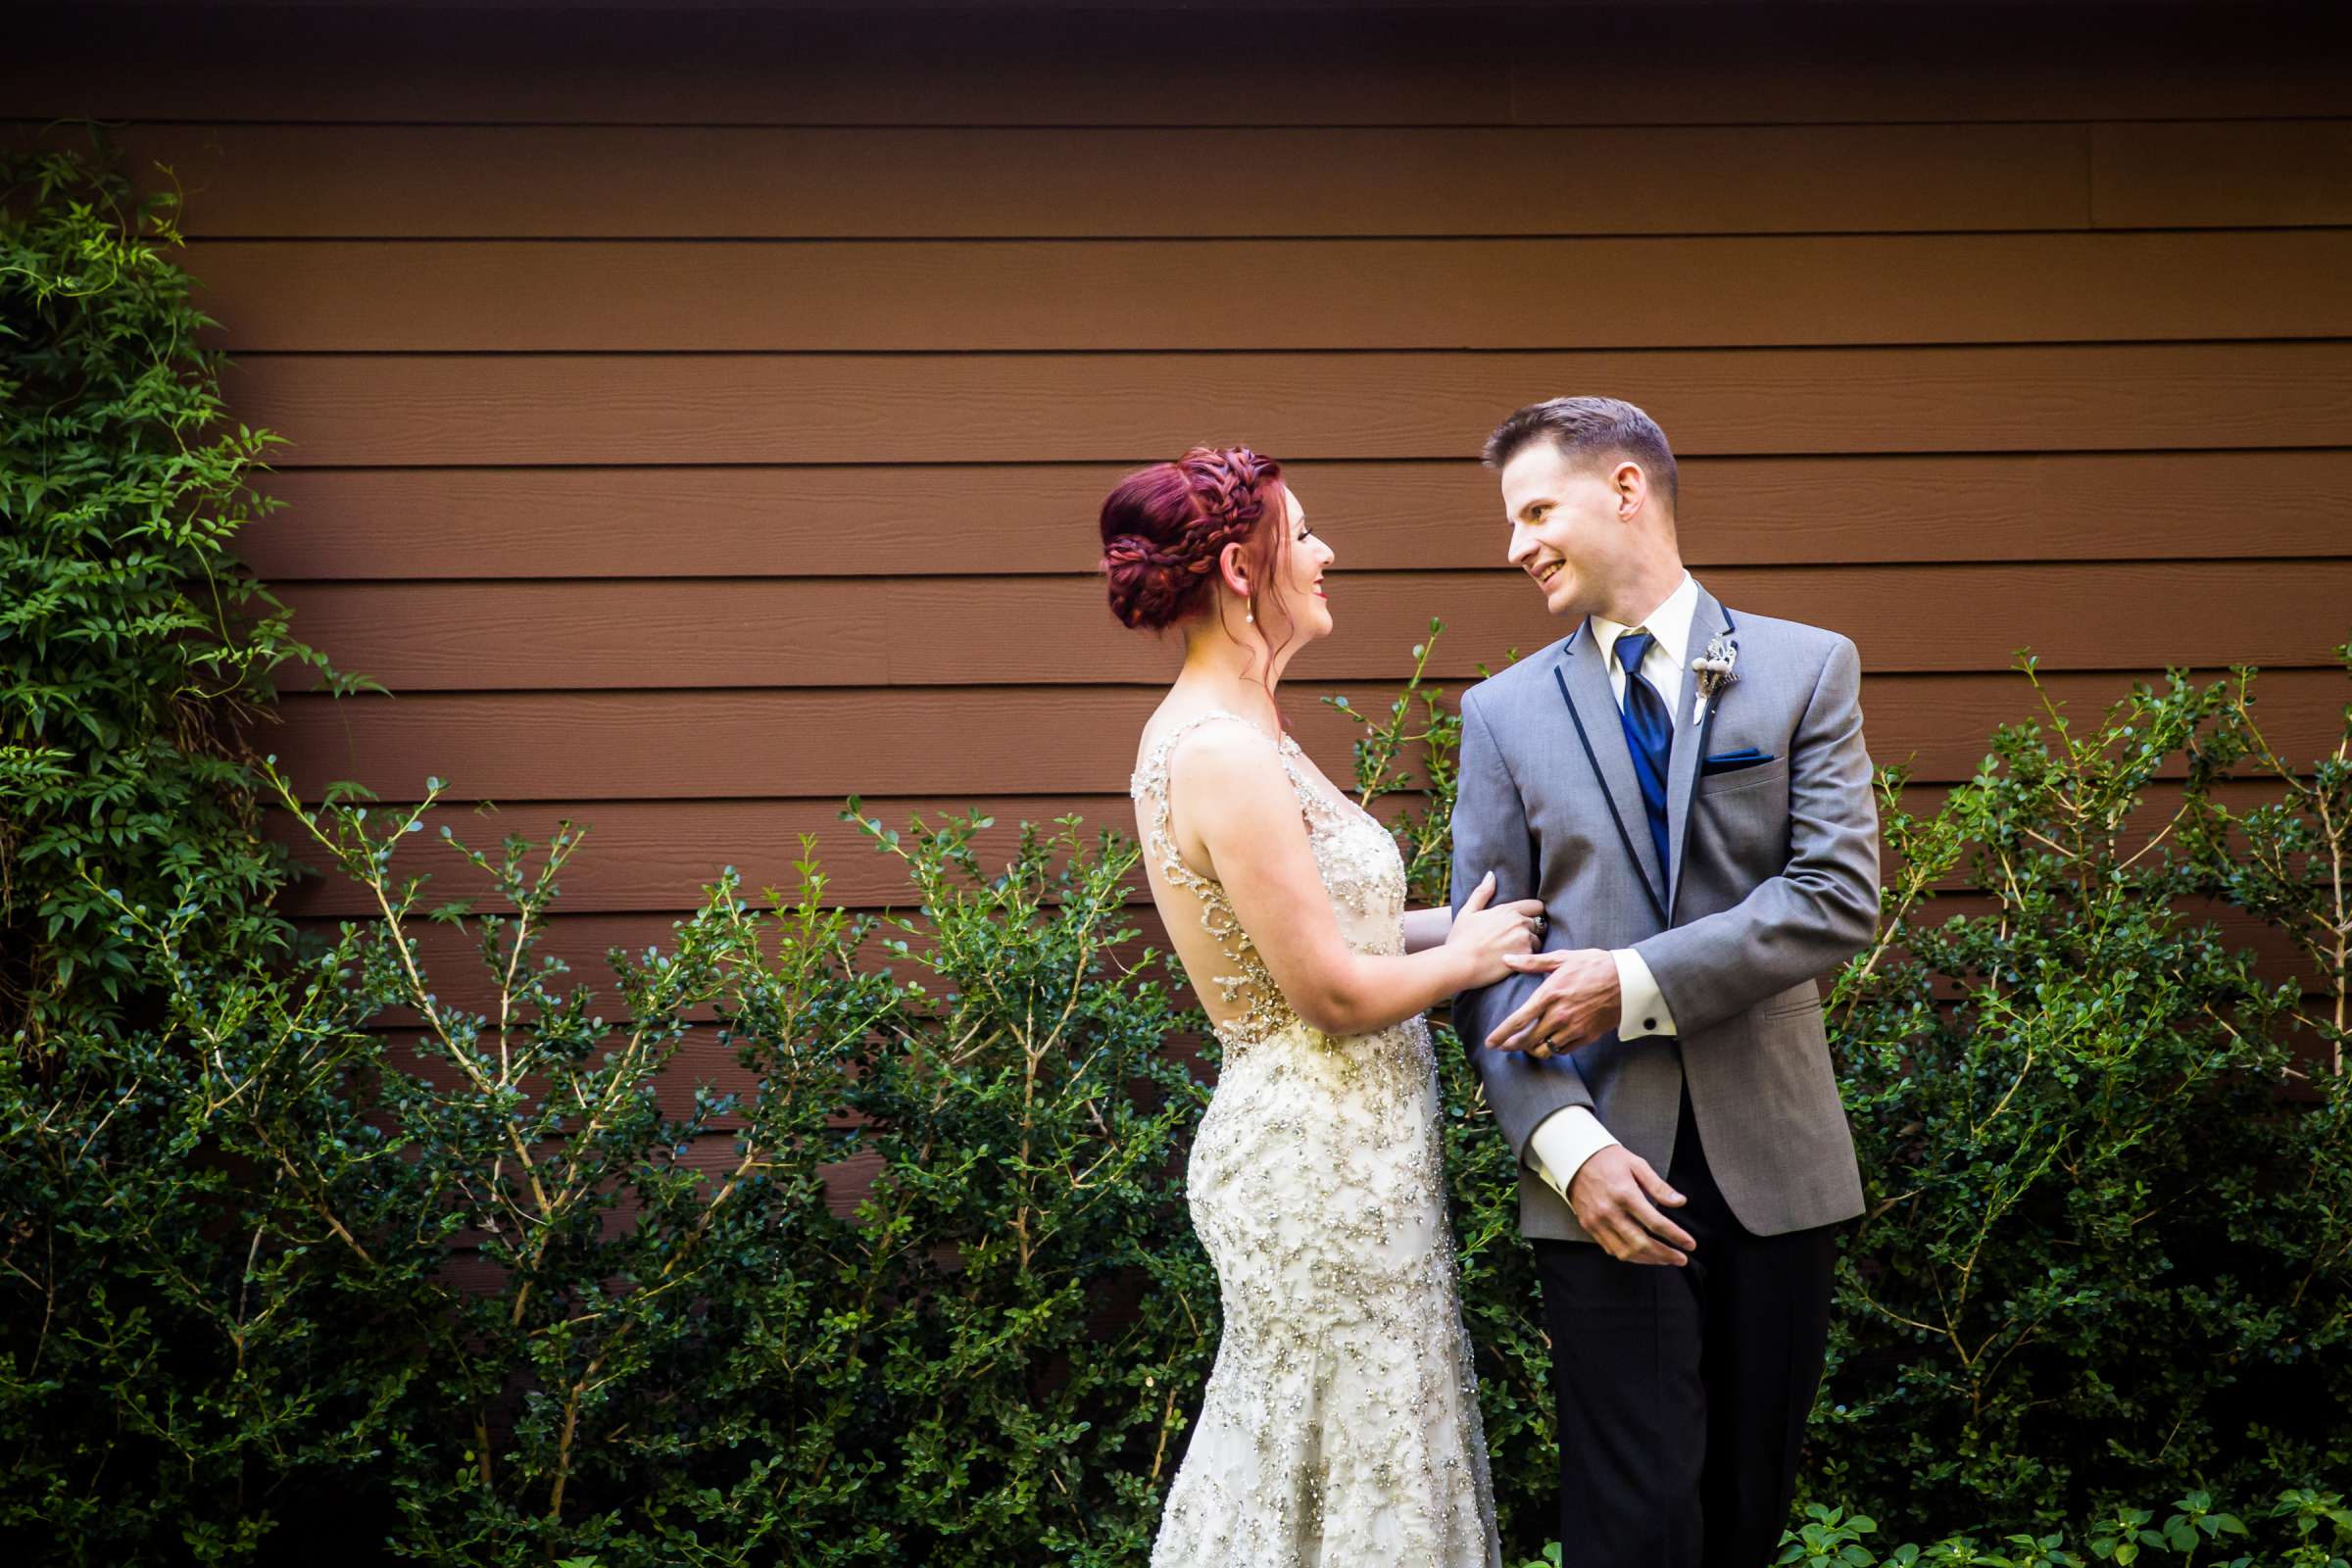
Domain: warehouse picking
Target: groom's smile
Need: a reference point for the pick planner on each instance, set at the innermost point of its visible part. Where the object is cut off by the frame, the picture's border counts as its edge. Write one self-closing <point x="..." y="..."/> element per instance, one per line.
<point x="1549" y="575"/>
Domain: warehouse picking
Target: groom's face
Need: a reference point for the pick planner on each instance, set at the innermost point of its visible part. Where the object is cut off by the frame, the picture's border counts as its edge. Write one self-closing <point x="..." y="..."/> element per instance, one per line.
<point x="1567" y="525"/>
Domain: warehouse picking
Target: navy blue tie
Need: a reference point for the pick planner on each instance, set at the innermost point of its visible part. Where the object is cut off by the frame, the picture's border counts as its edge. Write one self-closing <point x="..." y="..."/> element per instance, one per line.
<point x="1649" y="735"/>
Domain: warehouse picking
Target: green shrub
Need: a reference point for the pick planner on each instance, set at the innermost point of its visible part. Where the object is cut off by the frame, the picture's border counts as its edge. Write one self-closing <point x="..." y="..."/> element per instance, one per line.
<point x="2110" y="1228"/>
<point x="2303" y="1528"/>
<point x="135" y="653"/>
<point x="248" y="1282"/>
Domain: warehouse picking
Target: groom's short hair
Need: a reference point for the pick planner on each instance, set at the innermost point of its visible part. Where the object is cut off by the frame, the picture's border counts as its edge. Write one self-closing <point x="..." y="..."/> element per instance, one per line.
<point x="1596" y="429"/>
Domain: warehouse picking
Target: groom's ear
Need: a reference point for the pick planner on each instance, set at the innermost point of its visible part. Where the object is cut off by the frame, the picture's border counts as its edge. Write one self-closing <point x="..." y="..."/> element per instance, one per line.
<point x="1632" y="486"/>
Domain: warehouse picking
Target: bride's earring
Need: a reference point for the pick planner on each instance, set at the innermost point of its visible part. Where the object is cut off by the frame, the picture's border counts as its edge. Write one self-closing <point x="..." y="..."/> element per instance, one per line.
<point x="1248" y="615"/>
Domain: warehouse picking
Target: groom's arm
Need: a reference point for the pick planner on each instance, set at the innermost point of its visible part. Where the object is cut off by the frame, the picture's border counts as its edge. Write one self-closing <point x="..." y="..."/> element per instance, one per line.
<point x="1491" y="834"/>
<point x="1822" y="906"/>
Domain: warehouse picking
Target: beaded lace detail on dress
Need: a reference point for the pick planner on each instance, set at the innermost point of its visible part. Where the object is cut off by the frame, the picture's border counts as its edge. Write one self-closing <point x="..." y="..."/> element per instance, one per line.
<point x="1341" y="1423"/>
<point x="1355" y="856"/>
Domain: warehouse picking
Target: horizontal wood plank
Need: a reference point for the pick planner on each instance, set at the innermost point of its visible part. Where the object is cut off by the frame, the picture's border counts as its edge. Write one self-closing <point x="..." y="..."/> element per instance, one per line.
<point x="369" y="524"/>
<point x="975" y="742"/>
<point x="440" y="409"/>
<point x="1771" y="63"/>
<point x="849" y="296"/>
<point x="1731" y="65"/>
<point x="665" y="632"/>
<point x="650" y="856"/>
<point x="2191" y="173"/>
<point x="759" y="746"/>
<point x="744" y="65"/>
<point x="913" y="183"/>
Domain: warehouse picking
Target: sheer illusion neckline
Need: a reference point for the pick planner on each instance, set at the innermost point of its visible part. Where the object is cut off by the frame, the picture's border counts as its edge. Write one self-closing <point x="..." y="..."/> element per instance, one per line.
<point x="1150" y="784"/>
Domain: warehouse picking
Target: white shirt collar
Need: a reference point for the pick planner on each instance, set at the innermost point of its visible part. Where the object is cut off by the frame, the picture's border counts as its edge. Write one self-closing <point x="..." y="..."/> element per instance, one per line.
<point x="1669" y="624"/>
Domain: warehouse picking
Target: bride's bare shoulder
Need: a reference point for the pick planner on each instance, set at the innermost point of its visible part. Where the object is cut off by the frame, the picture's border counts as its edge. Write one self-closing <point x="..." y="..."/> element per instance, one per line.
<point x="1209" y="746"/>
<point x="1230" y="774"/>
<point x="1180" y="722"/>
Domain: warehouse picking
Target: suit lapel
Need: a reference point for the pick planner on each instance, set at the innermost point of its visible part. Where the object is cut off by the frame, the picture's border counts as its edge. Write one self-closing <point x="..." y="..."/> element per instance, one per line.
<point x="1708" y="621"/>
<point x="1583" y="681"/>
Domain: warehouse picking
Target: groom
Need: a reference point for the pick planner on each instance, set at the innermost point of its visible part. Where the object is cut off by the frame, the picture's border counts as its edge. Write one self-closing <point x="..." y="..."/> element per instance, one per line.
<point x="1686" y="789"/>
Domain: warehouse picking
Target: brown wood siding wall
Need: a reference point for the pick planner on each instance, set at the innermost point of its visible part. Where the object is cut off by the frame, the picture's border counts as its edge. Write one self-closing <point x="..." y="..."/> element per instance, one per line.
<point x="697" y="416"/>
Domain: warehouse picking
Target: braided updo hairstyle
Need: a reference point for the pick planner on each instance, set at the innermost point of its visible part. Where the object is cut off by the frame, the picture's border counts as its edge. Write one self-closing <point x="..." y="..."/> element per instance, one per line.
<point x="1163" y="528"/>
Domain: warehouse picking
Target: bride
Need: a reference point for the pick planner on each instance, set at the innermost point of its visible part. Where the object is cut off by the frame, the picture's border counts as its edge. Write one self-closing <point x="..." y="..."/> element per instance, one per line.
<point x="1341" y="1423"/>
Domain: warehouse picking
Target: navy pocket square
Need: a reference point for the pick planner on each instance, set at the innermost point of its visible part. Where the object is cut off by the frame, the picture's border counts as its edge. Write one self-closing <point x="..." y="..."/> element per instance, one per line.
<point x="1732" y="762"/>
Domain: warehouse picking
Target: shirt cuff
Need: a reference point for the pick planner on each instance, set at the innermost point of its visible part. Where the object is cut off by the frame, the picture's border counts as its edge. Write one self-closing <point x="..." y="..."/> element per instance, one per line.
<point x="1641" y="1008"/>
<point x="1562" y="1142"/>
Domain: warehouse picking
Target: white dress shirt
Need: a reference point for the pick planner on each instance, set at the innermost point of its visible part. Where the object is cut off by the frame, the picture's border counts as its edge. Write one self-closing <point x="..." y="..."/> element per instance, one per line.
<point x="1564" y="1140"/>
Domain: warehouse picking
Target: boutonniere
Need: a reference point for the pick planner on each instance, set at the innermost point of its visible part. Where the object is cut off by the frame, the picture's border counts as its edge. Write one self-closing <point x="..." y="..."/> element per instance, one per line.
<point x="1715" y="670"/>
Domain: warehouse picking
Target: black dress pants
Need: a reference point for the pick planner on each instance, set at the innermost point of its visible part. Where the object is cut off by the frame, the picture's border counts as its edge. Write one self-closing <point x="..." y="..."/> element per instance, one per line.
<point x="1684" y="1392"/>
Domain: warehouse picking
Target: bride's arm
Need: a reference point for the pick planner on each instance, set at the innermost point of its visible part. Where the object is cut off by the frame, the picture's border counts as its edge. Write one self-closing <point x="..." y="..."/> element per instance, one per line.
<point x="1228" y="786"/>
<point x="1426" y="929"/>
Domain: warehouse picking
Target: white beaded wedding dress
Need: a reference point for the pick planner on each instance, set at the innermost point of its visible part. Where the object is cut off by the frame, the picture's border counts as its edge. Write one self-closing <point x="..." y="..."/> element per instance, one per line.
<point x="1341" y="1422"/>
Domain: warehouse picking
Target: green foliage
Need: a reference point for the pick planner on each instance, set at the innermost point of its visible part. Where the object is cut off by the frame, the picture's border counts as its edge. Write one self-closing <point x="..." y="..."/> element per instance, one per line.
<point x="2284" y="861"/>
<point x="136" y="653"/>
<point x="2303" y="1528"/>
<point x="487" y="1279"/>
<point x="2110" y="1227"/>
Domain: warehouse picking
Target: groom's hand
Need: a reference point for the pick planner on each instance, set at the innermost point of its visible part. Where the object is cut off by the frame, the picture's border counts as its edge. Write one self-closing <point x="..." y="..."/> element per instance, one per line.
<point x="1576" y="1004"/>
<point x="1616" y="1195"/>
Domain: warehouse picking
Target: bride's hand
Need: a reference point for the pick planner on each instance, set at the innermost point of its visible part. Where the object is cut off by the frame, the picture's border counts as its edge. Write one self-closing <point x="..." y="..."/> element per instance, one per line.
<point x="1492" y="937"/>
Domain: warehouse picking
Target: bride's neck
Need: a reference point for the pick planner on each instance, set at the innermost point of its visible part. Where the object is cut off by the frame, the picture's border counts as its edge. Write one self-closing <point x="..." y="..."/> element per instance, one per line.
<point x="1232" y="673"/>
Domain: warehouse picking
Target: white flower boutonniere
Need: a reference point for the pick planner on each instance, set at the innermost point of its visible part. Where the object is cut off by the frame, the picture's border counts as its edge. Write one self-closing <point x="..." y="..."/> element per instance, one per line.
<point x="1715" y="670"/>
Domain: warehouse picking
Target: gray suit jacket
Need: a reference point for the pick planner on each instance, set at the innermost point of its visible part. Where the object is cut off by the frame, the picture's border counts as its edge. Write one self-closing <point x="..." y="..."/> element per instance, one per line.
<point x="1773" y="880"/>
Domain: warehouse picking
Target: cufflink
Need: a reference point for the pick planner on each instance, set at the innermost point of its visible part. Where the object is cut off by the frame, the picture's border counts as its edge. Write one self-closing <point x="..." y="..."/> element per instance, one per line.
<point x="1649" y="1023"/>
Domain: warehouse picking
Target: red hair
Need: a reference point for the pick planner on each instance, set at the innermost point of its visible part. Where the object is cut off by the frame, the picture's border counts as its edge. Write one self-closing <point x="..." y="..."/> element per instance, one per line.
<point x="1165" y="527"/>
